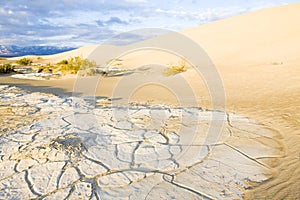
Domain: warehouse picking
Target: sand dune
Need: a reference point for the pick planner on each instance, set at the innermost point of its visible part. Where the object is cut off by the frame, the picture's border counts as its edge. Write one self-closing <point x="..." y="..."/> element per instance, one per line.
<point x="269" y="36"/>
<point x="82" y="51"/>
<point x="257" y="57"/>
<point x="262" y="37"/>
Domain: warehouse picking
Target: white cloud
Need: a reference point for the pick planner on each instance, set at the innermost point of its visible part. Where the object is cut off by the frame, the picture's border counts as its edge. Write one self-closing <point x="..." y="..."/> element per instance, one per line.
<point x="76" y="22"/>
<point x="136" y="1"/>
<point x="203" y="16"/>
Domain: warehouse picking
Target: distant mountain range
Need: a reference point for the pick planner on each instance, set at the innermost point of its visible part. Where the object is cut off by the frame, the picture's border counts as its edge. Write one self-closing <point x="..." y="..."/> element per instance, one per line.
<point x="13" y="50"/>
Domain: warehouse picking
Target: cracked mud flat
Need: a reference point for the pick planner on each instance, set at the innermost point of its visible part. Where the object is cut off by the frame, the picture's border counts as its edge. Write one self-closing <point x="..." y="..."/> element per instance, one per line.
<point x="66" y="148"/>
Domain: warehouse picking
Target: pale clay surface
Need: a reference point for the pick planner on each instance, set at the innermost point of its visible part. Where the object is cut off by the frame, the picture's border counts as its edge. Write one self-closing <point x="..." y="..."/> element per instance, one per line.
<point x="66" y="148"/>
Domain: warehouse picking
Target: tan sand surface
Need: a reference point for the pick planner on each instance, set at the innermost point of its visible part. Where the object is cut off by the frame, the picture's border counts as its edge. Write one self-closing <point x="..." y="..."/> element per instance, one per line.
<point x="257" y="57"/>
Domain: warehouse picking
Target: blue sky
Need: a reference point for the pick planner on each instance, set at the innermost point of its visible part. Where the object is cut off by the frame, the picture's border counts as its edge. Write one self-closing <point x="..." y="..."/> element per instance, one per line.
<point x="76" y="23"/>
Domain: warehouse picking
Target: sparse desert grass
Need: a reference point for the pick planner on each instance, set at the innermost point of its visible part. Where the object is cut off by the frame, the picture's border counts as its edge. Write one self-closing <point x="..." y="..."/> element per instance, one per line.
<point x="116" y="62"/>
<point x="70" y="66"/>
<point x="24" y="61"/>
<point x="6" y="68"/>
<point x="63" y="62"/>
<point x="118" y="59"/>
<point x="277" y="63"/>
<point x="76" y="64"/>
<point x="175" y="69"/>
<point x="3" y="58"/>
<point x="87" y="68"/>
<point x="46" y="69"/>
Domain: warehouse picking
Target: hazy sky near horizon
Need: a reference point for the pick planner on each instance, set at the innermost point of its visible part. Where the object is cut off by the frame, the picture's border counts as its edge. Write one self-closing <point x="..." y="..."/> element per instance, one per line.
<point x="76" y="23"/>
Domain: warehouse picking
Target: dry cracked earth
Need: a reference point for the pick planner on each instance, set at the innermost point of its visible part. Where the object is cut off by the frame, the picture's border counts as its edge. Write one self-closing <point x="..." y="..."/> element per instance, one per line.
<point x="68" y="148"/>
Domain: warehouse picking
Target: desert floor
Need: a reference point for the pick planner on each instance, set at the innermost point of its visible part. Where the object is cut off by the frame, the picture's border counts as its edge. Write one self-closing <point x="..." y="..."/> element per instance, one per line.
<point x="112" y="138"/>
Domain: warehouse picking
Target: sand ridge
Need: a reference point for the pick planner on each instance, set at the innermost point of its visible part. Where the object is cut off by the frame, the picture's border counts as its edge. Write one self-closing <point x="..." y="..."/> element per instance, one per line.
<point x="256" y="55"/>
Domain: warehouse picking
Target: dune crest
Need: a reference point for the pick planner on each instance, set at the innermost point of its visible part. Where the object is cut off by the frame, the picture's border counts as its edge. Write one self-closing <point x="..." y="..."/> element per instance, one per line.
<point x="257" y="58"/>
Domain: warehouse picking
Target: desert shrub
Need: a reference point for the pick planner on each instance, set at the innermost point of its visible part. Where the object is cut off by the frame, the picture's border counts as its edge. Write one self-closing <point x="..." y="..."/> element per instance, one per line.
<point x="277" y="63"/>
<point x="63" y="62"/>
<point x="24" y="61"/>
<point x="175" y="69"/>
<point x="48" y="68"/>
<point x="73" y="65"/>
<point x="3" y="58"/>
<point x="45" y="69"/>
<point x="6" y="68"/>
<point x="87" y="68"/>
<point x="87" y="64"/>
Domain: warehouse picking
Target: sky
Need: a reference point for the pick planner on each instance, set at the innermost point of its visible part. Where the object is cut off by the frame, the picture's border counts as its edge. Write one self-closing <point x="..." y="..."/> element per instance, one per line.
<point x="75" y="23"/>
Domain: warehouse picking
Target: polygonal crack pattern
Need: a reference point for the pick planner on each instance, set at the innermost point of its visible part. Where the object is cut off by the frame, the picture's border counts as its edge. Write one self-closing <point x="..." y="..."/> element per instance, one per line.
<point x="64" y="148"/>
